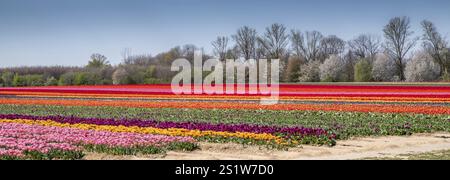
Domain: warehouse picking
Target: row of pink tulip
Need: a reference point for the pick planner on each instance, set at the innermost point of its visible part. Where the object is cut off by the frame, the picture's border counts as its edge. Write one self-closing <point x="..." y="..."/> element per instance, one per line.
<point x="16" y="138"/>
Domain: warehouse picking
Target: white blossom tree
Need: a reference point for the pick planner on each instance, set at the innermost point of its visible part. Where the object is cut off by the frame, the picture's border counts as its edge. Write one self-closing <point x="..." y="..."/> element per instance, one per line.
<point x="422" y="68"/>
<point x="384" y="68"/>
<point x="332" y="69"/>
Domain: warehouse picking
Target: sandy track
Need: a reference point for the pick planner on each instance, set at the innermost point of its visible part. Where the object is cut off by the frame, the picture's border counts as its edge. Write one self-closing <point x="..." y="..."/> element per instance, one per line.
<point x="356" y="148"/>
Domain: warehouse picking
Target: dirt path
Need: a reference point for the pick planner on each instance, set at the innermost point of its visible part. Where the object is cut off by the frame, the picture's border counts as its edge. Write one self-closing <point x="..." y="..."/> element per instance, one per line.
<point x="349" y="149"/>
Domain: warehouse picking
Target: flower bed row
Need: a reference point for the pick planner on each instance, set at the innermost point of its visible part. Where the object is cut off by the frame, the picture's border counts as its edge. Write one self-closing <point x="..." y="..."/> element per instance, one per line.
<point x="343" y="124"/>
<point x="284" y="89"/>
<point x="68" y="138"/>
<point x="232" y="128"/>
<point x="242" y="133"/>
<point x="23" y="139"/>
<point x="316" y="98"/>
<point x="382" y="108"/>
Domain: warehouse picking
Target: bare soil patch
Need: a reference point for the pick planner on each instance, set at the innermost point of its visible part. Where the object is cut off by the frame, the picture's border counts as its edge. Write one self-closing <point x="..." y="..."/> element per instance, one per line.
<point x="356" y="148"/>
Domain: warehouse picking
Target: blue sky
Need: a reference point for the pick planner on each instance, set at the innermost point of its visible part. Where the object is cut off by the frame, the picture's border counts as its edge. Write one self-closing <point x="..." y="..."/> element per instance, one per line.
<point x="66" y="32"/>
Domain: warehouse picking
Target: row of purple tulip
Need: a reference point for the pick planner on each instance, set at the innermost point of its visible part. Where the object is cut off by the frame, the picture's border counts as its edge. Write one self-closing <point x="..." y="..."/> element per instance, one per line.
<point x="288" y="131"/>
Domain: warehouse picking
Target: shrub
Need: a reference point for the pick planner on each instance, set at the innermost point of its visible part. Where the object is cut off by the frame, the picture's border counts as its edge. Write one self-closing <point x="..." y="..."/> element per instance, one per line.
<point x="120" y="76"/>
<point x="96" y="77"/>
<point x="81" y="78"/>
<point x="7" y="79"/>
<point x="67" y="79"/>
<point x="55" y="71"/>
<point x="19" y="81"/>
<point x="292" y="69"/>
<point x="363" y="71"/>
<point x="150" y="72"/>
<point x="28" y="80"/>
<point x="446" y="76"/>
<point x="106" y="82"/>
<point x="100" y="76"/>
<point x="51" y="81"/>
<point x="152" y="81"/>
<point x="34" y="80"/>
<point x="136" y="74"/>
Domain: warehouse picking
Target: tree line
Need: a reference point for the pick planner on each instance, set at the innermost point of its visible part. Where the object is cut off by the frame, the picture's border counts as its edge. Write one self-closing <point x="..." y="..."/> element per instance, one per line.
<point x="305" y="56"/>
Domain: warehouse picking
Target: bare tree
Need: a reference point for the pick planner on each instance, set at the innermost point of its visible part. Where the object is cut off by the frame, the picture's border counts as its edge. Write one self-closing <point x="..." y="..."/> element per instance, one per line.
<point x="188" y="51"/>
<point x="297" y="43"/>
<point x="220" y="46"/>
<point x="274" y="41"/>
<point x="332" y="45"/>
<point x="233" y="53"/>
<point x="365" y="46"/>
<point x="399" y="42"/>
<point x="246" y="41"/>
<point x="307" y="47"/>
<point x="140" y="60"/>
<point x="435" y="45"/>
<point x="126" y="55"/>
<point x="261" y="51"/>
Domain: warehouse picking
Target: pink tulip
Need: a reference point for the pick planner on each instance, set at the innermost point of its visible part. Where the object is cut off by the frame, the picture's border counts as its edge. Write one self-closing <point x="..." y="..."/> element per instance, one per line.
<point x="16" y="138"/>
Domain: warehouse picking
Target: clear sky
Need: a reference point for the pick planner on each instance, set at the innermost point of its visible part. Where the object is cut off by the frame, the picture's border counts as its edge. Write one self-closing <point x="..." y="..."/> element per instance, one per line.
<point x="66" y="32"/>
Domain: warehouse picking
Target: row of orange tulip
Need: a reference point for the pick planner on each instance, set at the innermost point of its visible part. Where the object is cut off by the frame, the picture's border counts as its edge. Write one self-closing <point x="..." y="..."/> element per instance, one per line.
<point x="382" y="108"/>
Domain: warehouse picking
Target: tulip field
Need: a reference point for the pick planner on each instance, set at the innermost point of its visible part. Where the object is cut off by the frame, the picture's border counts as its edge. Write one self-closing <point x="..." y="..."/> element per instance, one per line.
<point x="66" y="122"/>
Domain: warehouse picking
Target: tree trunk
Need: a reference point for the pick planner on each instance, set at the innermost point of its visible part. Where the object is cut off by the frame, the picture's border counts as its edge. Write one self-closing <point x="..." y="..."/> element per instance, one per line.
<point x="401" y="70"/>
<point x="402" y="74"/>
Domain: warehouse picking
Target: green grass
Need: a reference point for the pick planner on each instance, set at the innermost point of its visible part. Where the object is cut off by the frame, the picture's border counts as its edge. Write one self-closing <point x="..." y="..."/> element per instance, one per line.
<point x="344" y="124"/>
<point x="144" y="150"/>
<point x="53" y="154"/>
